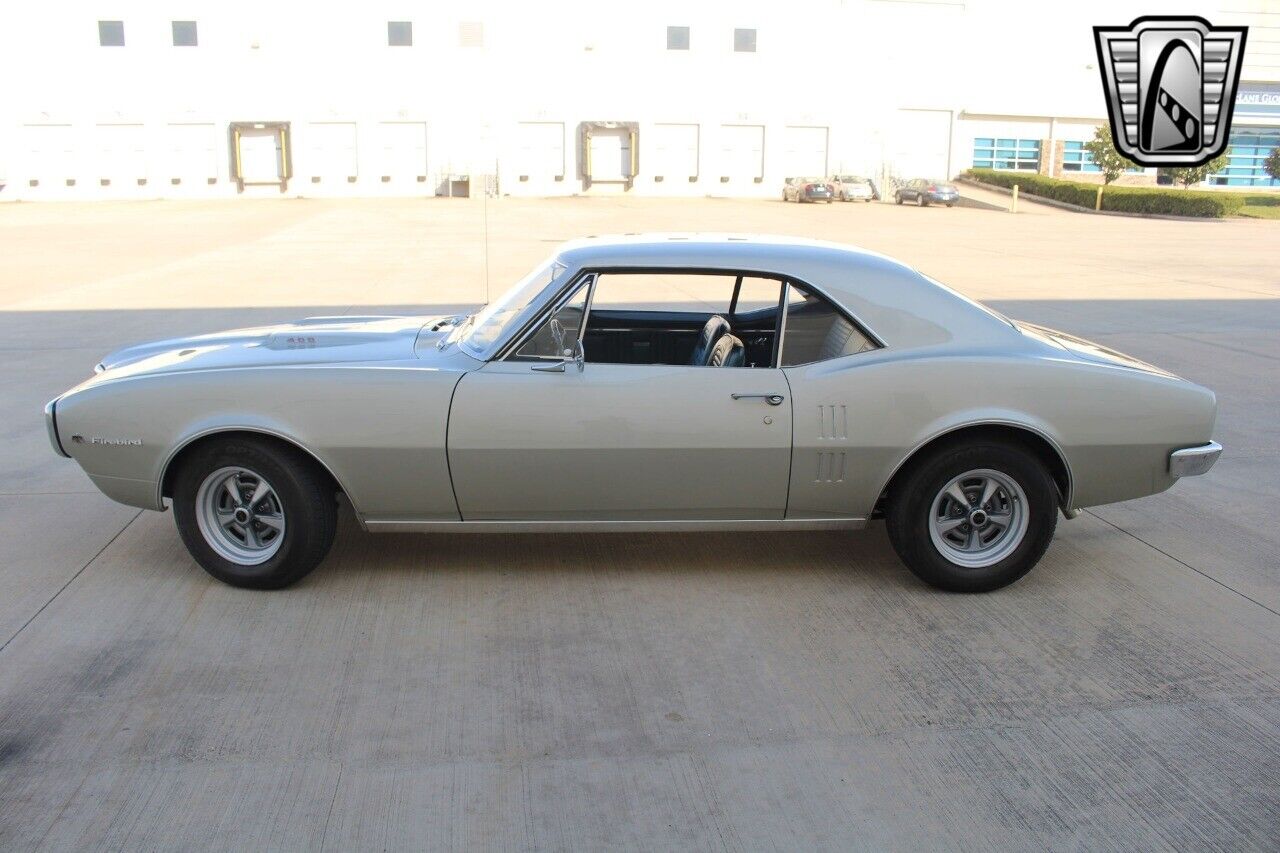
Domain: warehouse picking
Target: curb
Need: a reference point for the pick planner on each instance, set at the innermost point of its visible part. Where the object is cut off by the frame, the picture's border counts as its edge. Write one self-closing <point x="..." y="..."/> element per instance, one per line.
<point x="1075" y="208"/>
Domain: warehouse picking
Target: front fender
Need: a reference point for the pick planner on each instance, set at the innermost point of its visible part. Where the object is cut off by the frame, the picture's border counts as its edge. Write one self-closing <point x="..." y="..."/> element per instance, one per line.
<point x="378" y="429"/>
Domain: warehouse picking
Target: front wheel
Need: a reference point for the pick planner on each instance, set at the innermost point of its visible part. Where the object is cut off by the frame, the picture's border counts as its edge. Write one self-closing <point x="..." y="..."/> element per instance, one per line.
<point x="973" y="518"/>
<point x="253" y="512"/>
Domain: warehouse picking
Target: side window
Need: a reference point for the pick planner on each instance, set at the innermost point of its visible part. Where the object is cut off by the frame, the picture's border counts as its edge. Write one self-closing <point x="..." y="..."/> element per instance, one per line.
<point x="816" y="331"/>
<point x="559" y="332"/>
<point x="715" y="319"/>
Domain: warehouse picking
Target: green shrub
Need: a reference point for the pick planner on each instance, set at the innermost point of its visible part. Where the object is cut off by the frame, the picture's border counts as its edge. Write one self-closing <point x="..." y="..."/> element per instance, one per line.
<point x="1119" y="199"/>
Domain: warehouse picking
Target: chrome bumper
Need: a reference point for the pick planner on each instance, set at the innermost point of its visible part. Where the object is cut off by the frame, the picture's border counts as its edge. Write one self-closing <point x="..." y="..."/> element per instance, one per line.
<point x="51" y="424"/>
<point x="1192" y="461"/>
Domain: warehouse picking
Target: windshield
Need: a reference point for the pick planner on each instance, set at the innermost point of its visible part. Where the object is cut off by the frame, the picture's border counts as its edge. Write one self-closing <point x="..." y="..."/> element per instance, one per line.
<point x="487" y="326"/>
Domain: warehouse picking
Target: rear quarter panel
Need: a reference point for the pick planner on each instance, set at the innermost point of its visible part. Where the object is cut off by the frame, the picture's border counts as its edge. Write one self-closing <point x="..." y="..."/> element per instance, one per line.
<point x="858" y="418"/>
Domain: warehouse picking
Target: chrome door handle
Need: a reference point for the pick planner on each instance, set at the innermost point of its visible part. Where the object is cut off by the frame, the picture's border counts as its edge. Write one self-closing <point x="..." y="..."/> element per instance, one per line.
<point x="771" y="399"/>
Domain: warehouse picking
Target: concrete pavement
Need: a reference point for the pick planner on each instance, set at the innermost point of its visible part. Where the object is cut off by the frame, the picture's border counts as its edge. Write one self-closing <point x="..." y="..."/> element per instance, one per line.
<point x="632" y="691"/>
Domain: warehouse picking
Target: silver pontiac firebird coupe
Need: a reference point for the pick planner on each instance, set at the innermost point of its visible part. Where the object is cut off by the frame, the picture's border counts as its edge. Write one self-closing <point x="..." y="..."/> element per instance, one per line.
<point x="667" y="382"/>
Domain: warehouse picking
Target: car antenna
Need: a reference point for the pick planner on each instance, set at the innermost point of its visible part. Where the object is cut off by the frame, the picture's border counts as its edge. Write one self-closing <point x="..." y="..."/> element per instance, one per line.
<point x="487" y="298"/>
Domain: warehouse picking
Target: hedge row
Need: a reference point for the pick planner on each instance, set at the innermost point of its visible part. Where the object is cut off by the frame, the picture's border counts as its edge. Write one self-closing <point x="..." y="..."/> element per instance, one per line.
<point x="1120" y="199"/>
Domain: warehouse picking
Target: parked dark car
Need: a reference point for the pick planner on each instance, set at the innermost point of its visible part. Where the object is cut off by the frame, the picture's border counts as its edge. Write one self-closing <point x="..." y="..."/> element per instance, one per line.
<point x="927" y="191"/>
<point x="808" y="189"/>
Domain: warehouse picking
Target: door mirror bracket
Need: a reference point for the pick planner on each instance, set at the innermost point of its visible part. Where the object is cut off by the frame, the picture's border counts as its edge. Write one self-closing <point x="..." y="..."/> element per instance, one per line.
<point x="577" y="355"/>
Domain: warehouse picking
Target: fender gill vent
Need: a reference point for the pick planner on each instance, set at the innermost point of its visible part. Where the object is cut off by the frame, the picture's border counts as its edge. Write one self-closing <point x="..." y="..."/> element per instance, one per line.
<point x="830" y="467"/>
<point x="833" y="422"/>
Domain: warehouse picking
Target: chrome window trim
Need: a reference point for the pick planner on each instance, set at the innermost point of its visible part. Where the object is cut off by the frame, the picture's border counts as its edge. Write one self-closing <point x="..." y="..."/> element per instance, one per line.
<point x="786" y="279"/>
<point x="576" y="283"/>
<point x="782" y="326"/>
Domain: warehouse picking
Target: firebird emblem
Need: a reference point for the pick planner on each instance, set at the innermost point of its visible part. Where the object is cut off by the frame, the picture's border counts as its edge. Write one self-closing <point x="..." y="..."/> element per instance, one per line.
<point x="107" y="442"/>
<point x="1171" y="85"/>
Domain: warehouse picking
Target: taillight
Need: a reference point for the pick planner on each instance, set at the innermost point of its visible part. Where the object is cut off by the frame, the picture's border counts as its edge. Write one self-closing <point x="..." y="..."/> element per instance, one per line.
<point x="808" y="188"/>
<point x="831" y="188"/>
<point x="933" y="189"/>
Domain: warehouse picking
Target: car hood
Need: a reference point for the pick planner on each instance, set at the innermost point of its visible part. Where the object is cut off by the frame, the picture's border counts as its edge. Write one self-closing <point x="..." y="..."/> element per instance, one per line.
<point x="315" y="340"/>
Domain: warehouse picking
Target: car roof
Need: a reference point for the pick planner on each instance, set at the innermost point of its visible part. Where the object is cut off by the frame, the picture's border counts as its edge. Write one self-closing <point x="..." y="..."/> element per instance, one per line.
<point x="897" y="303"/>
<point x="713" y="250"/>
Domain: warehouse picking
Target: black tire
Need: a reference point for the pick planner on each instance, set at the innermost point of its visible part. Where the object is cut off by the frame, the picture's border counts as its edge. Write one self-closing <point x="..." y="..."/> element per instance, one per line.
<point x="920" y="200"/>
<point x="951" y="204"/>
<point x="911" y="502"/>
<point x="897" y="198"/>
<point x="307" y="501"/>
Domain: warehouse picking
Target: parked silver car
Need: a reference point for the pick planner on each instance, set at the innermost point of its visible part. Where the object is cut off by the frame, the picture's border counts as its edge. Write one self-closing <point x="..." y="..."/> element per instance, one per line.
<point x="643" y="383"/>
<point x="852" y="188"/>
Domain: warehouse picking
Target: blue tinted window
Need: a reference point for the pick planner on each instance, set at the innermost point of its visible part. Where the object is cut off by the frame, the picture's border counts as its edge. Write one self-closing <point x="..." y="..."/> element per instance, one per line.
<point x="1247" y="151"/>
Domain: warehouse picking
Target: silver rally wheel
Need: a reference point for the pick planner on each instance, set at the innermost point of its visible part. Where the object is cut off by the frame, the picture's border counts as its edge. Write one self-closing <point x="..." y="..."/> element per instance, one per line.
<point x="978" y="518"/>
<point x="240" y="515"/>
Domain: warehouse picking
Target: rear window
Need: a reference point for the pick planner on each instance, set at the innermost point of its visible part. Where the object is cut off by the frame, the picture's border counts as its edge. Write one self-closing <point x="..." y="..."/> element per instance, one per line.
<point x="817" y="331"/>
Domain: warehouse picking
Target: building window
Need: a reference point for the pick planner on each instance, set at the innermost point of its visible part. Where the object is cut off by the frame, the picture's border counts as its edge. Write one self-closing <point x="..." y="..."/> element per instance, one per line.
<point x="1017" y="154"/>
<point x="744" y="41"/>
<point x="677" y="38"/>
<point x="1247" y="149"/>
<point x="111" y="33"/>
<point x="471" y="34"/>
<point x="184" y="34"/>
<point x="399" y="34"/>
<point x="1076" y="159"/>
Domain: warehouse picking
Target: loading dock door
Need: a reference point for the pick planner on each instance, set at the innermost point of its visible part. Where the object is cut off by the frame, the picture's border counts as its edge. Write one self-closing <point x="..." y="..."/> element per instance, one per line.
<point x="675" y="152"/>
<point x="120" y="156"/>
<point x="261" y="153"/>
<point x="741" y="154"/>
<point x="401" y="152"/>
<point x="919" y="144"/>
<point x="539" y="155"/>
<point x="610" y="154"/>
<point x="51" y="154"/>
<point x="192" y="153"/>
<point x="331" y="152"/>
<point x="804" y="152"/>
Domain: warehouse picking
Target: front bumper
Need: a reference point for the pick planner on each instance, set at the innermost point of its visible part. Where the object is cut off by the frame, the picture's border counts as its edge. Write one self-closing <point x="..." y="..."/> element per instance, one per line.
<point x="51" y="425"/>
<point x="1193" y="461"/>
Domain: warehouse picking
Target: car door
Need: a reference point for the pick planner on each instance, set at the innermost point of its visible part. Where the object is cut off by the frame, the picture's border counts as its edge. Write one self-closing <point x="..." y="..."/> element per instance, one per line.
<point x="619" y="441"/>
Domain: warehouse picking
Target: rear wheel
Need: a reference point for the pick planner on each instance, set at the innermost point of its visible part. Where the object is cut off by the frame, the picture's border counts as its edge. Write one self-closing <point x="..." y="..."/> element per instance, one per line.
<point x="897" y="198"/>
<point x="254" y="513"/>
<point x="972" y="518"/>
<point x="920" y="202"/>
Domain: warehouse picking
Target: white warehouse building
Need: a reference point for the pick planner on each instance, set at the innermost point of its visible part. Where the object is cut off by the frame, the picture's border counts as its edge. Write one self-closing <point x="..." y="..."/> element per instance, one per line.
<point x="189" y="98"/>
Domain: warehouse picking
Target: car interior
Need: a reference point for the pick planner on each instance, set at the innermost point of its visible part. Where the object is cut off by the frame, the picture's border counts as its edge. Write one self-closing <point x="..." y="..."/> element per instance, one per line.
<point x="696" y="319"/>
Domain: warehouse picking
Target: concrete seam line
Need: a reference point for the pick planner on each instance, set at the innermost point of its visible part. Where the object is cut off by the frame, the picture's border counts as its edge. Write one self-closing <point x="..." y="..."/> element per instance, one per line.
<point x="1182" y="562"/>
<point x="337" y="784"/>
<point x="71" y="580"/>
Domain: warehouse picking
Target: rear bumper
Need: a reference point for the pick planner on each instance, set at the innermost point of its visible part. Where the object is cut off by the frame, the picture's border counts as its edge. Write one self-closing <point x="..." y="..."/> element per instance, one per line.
<point x="941" y="198"/>
<point x="1193" y="461"/>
